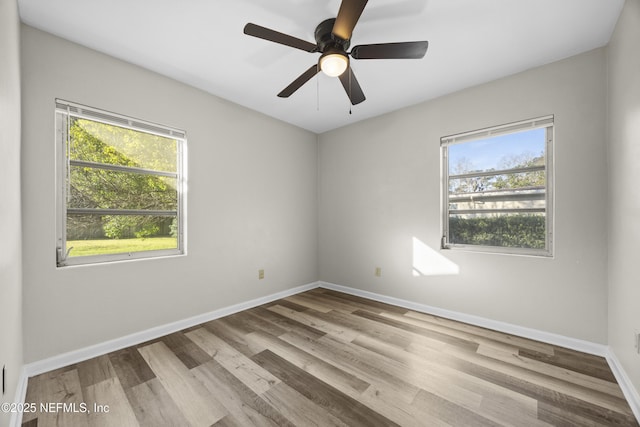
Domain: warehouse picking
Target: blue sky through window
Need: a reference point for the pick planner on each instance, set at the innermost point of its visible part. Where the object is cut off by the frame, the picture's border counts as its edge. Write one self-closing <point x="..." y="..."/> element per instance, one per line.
<point x="489" y="153"/>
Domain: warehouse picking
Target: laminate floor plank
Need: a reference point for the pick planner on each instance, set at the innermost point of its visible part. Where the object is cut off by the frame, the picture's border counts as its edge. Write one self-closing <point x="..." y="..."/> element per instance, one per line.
<point x="189" y="354"/>
<point x="505" y="409"/>
<point x="533" y="385"/>
<point x="289" y="325"/>
<point x="493" y="397"/>
<point x="377" y="398"/>
<point x="537" y="381"/>
<point x="349" y="410"/>
<point x="446" y="384"/>
<point x="385" y="401"/>
<point x="308" y="319"/>
<point x="475" y="338"/>
<point x="244" y="405"/>
<point x="390" y="334"/>
<point x="330" y="374"/>
<point x="299" y="410"/>
<point x="247" y="371"/>
<point x="464" y="343"/>
<point x="110" y="396"/>
<point x="39" y="391"/>
<point x="95" y="370"/>
<point x="229" y="333"/>
<point x="62" y="388"/>
<point x="251" y="322"/>
<point x="323" y="357"/>
<point x="130" y="367"/>
<point x="310" y="302"/>
<point x="593" y="366"/>
<point x="559" y="372"/>
<point x="351" y="361"/>
<point x="450" y="412"/>
<point x="228" y="421"/>
<point x="153" y="406"/>
<point x="198" y="406"/>
<point x="557" y="416"/>
<point x="288" y="304"/>
<point x="589" y="403"/>
<point x="508" y="339"/>
<point x="335" y="303"/>
<point x="365" y="304"/>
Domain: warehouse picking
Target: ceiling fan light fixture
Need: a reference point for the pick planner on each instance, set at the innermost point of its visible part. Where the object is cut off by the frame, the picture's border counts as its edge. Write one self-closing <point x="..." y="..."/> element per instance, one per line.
<point x="333" y="63"/>
<point x="333" y="39"/>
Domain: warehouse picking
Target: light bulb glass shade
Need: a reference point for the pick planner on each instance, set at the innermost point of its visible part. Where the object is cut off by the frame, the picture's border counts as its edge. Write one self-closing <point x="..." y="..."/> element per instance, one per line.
<point x="334" y="64"/>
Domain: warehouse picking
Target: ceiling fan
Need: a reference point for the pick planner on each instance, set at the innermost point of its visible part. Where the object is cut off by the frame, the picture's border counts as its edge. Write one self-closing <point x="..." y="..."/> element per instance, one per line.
<point x="333" y="37"/>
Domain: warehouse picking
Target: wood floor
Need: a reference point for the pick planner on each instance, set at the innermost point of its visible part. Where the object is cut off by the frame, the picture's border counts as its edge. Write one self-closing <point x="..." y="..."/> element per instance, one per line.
<point x="327" y="358"/>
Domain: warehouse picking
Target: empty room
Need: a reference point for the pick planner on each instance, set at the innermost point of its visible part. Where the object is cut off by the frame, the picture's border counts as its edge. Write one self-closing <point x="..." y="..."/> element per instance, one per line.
<point x="303" y="212"/>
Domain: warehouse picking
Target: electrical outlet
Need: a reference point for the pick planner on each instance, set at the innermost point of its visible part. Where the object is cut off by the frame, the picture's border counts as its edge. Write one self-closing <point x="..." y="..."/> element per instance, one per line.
<point x="260" y="274"/>
<point x="378" y="272"/>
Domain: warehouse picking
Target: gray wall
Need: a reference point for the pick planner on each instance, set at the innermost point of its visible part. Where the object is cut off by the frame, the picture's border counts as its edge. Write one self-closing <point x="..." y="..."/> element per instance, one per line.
<point x="10" y="248"/>
<point x="624" y="197"/>
<point x="252" y="204"/>
<point x="380" y="196"/>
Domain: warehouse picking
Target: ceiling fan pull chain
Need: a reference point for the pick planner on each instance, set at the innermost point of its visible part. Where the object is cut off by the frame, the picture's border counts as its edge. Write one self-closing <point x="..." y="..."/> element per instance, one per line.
<point x="318" y="88"/>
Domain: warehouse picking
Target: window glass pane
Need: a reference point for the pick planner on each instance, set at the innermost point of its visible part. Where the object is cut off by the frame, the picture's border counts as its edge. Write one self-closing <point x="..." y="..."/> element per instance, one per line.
<point x="496" y="191"/>
<point x="105" y="189"/>
<point x="518" y="149"/>
<point x="530" y="180"/>
<point x="119" y="187"/>
<point x="498" y="200"/>
<point x="496" y="229"/>
<point x="112" y="234"/>
<point x="104" y="143"/>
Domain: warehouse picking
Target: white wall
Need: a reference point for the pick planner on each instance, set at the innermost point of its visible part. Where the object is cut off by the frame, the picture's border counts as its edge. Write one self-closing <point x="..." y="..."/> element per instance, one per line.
<point x="380" y="188"/>
<point x="624" y="196"/>
<point x="10" y="248"/>
<point x="252" y="203"/>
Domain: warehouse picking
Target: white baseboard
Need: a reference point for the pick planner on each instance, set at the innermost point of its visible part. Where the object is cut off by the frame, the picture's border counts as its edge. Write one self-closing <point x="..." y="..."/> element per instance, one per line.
<point x="21" y="394"/>
<point x="76" y="356"/>
<point x="534" y="334"/>
<point x="629" y="391"/>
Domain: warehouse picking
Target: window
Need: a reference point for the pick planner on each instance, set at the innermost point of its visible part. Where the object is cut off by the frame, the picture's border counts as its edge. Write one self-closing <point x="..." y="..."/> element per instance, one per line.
<point x="119" y="187"/>
<point x="497" y="189"/>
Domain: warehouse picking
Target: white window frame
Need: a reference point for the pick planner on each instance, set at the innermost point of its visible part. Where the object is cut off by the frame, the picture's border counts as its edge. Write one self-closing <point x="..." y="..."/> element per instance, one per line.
<point x="541" y="122"/>
<point x="65" y="109"/>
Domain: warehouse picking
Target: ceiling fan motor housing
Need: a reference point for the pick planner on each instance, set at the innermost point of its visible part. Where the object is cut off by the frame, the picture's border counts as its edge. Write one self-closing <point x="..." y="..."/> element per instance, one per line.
<point x="325" y="38"/>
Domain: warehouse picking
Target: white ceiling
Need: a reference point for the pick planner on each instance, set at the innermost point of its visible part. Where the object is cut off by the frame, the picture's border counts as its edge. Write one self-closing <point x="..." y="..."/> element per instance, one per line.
<point x="201" y="43"/>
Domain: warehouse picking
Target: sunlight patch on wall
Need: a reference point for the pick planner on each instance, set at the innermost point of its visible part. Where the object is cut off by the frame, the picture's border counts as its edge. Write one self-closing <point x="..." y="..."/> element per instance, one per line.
<point x="428" y="262"/>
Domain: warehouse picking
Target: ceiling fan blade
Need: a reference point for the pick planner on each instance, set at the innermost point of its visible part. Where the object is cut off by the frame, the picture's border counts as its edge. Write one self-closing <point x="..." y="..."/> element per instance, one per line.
<point x="277" y="37"/>
<point x="297" y="83"/>
<point x="348" y="15"/>
<point x="404" y="50"/>
<point x="351" y="86"/>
